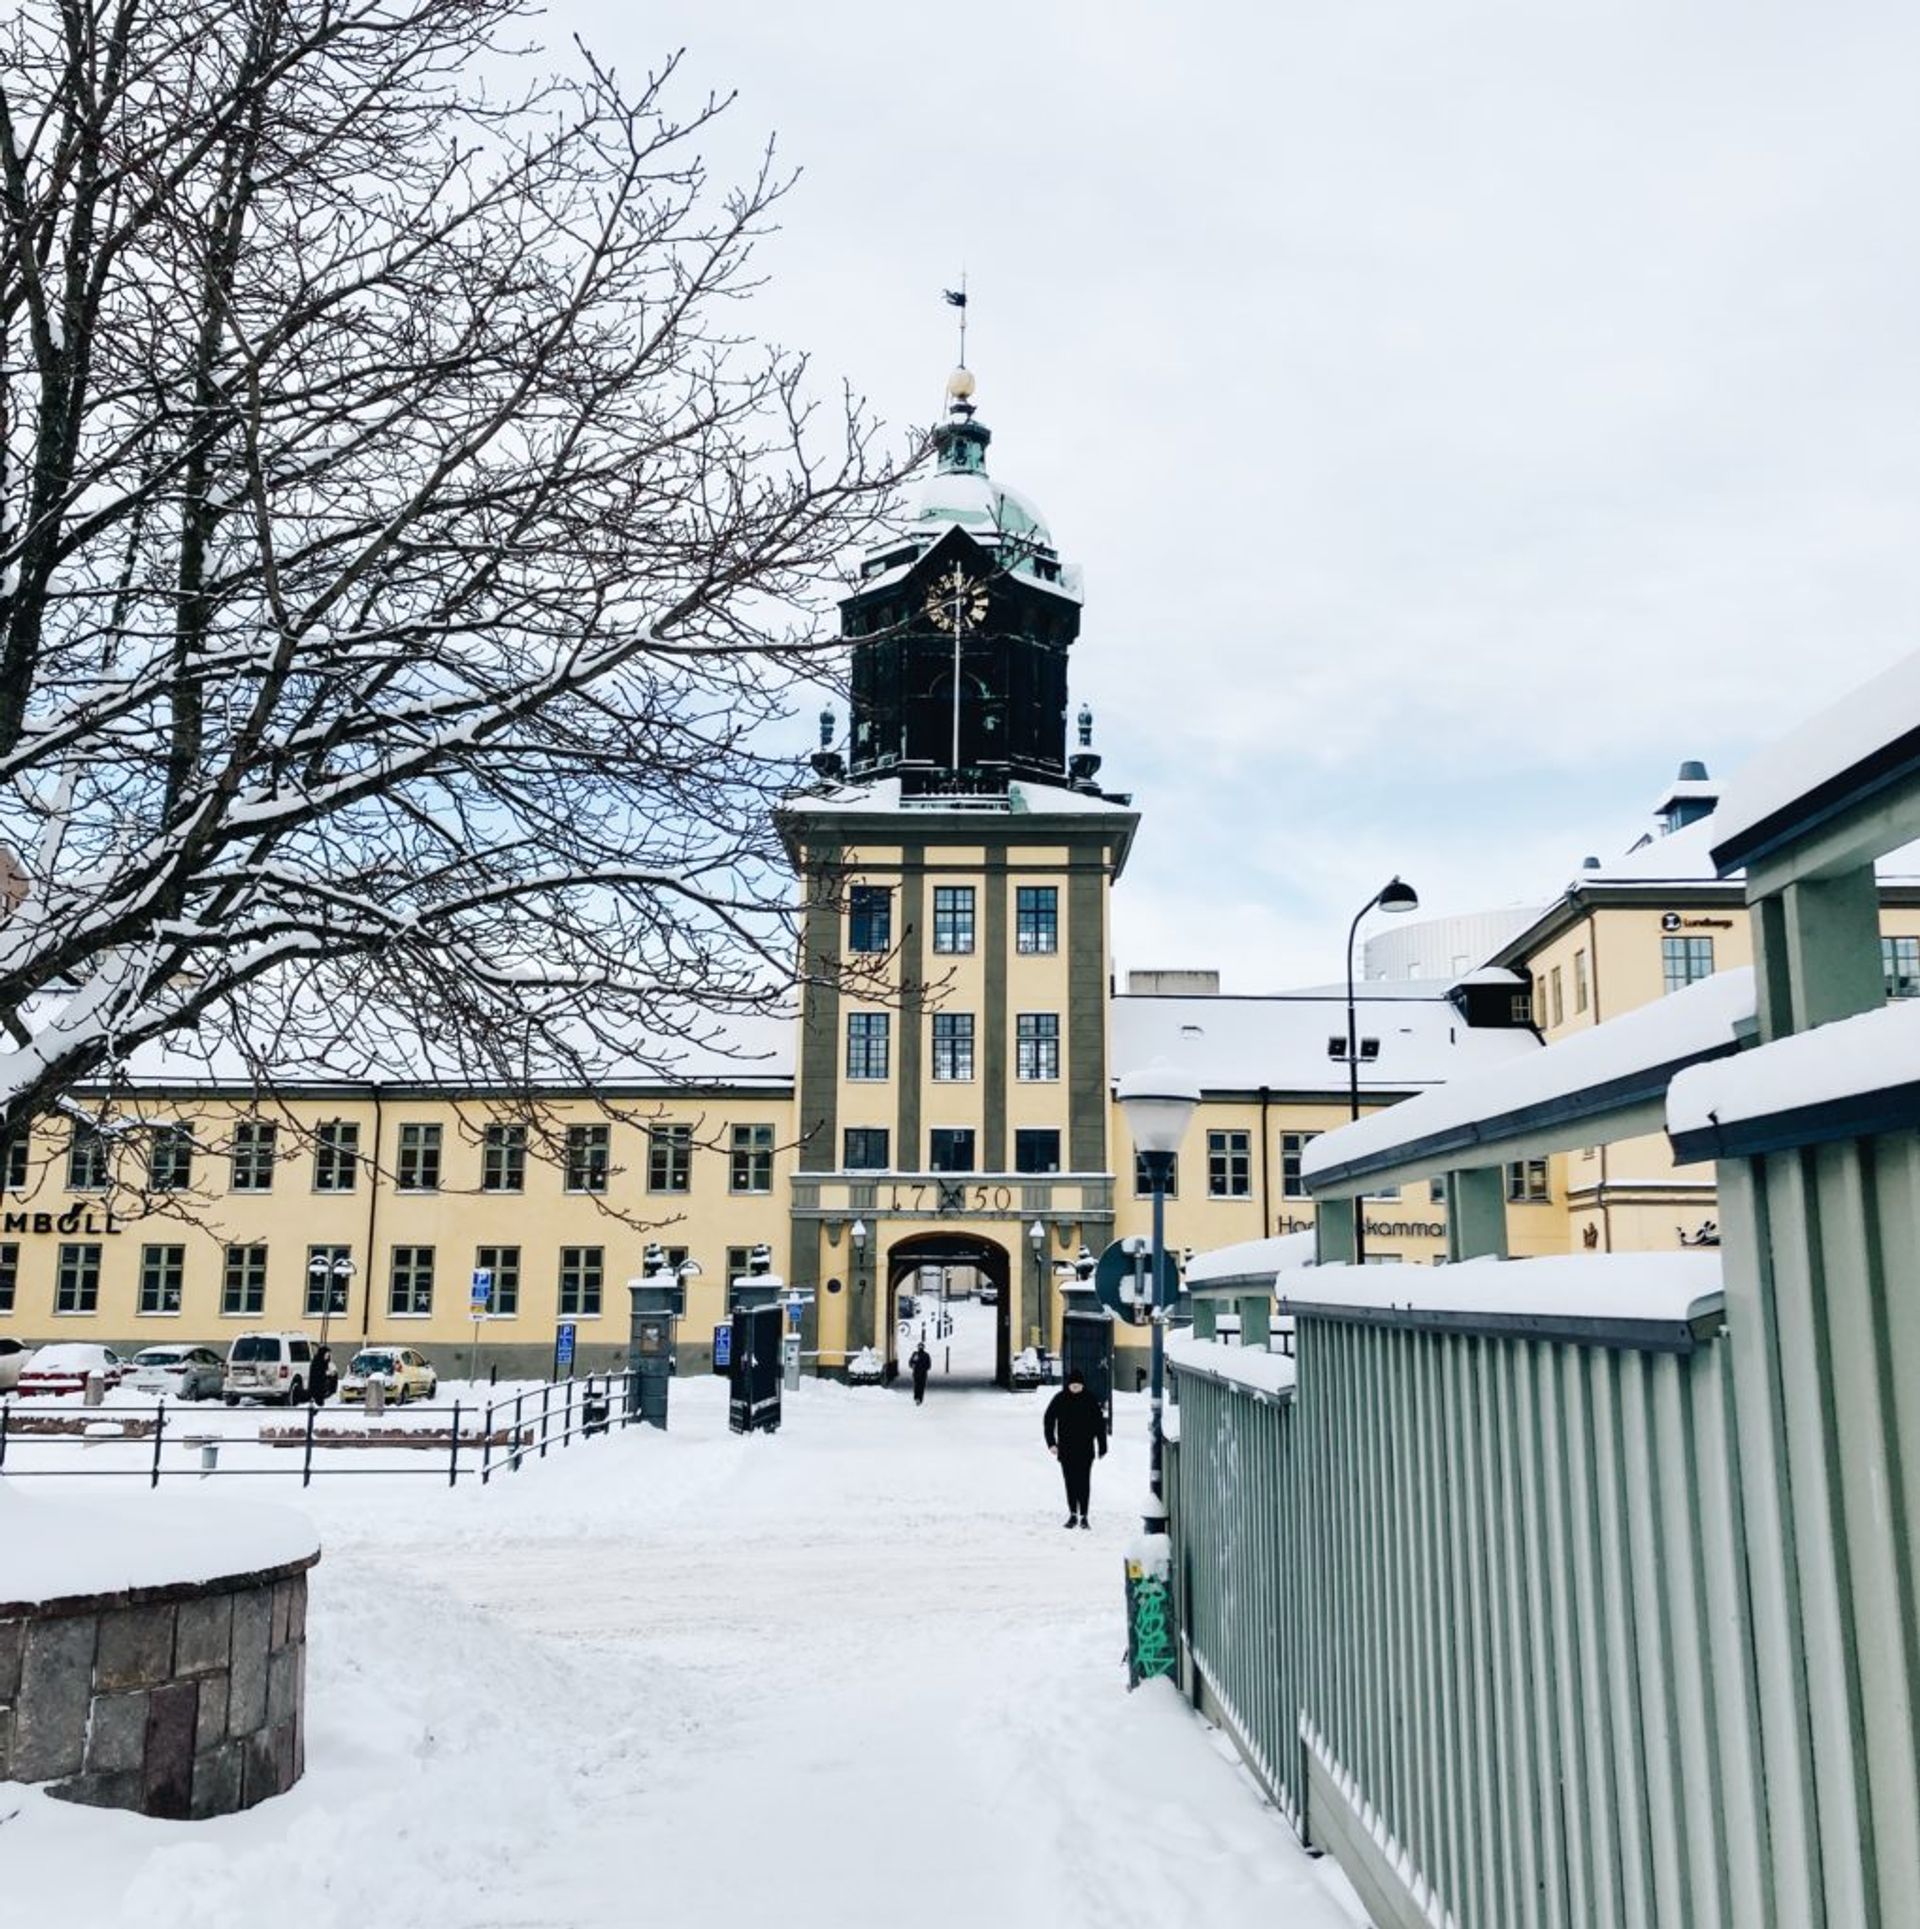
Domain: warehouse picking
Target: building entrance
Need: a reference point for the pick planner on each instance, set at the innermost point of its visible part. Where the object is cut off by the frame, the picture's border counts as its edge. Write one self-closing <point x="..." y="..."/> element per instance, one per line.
<point x="979" y="1288"/>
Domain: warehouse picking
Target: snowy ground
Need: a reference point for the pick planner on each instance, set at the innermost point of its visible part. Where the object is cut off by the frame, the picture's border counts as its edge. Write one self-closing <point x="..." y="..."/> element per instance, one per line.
<point x="853" y="1674"/>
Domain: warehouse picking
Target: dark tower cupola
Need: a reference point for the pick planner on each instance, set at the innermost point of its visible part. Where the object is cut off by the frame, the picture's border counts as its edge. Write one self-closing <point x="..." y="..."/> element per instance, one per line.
<point x="960" y="625"/>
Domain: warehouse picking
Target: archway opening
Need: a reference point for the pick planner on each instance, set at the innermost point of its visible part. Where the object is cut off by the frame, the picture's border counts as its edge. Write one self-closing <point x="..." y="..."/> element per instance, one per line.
<point x="960" y="1289"/>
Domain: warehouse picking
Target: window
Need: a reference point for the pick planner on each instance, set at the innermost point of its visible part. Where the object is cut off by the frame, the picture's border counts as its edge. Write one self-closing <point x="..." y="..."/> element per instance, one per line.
<point x="1436" y="1192"/>
<point x="1036" y="1150"/>
<point x="1899" y="965"/>
<point x="953" y="1045"/>
<point x="1685" y="961"/>
<point x="1556" y="992"/>
<point x="1520" y="1008"/>
<point x="503" y="1262"/>
<point x="13" y="1165"/>
<point x="162" y="1273"/>
<point x="950" y="1149"/>
<point x="1582" y="982"/>
<point x="953" y="917"/>
<point x="9" y="1275"/>
<point x="410" y="1282"/>
<point x="587" y="1155"/>
<point x="1292" y="1145"/>
<point x="1229" y="1166"/>
<point x="865" y="1149"/>
<point x="418" y="1169"/>
<point x="752" y="1158"/>
<point x="869" y="1034"/>
<point x="76" y="1282"/>
<point x="670" y="1158"/>
<point x="582" y="1269"/>
<point x="739" y="1261"/>
<point x="870" y="918"/>
<point x="243" y="1285"/>
<point x="503" y="1159"/>
<point x="252" y="1152"/>
<point x="1143" y="1186"/>
<point x="329" y="1271"/>
<point x="336" y="1157"/>
<point x="1527" y="1182"/>
<point x="86" y="1160"/>
<point x="1037" y="1045"/>
<point x="1036" y="918"/>
<point x="170" y="1157"/>
<point x="1540" y="999"/>
<point x="1369" y="1049"/>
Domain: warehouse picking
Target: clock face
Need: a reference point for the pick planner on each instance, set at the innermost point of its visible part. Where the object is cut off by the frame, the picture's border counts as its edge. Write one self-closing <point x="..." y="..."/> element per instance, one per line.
<point x="957" y="601"/>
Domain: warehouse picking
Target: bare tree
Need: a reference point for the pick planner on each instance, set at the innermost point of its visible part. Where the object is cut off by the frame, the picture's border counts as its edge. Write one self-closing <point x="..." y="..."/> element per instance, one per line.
<point x="402" y="548"/>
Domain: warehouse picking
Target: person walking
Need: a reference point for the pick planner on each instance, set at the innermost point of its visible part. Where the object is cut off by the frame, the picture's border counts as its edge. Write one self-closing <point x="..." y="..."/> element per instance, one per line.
<point x="320" y="1375"/>
<point x="920" y="1364"/>
<point x="1076" y="1429"/>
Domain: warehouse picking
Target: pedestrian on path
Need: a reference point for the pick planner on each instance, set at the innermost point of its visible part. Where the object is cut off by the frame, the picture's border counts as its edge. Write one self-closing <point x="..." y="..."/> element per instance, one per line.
<point x="320" y="1375"/>
<point x="920" y="1364"/>
<point x="1076" y="1430"/>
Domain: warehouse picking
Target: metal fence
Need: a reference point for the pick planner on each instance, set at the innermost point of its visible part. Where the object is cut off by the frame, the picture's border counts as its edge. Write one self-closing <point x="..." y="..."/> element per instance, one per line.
<point x="1475" y="1607"/>
<point x="471" y="1439"/>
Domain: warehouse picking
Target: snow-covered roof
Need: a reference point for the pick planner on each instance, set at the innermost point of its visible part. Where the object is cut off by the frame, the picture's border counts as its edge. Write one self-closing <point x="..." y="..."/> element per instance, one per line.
<point x="1564" y="1294"/>
<point x="1023" y="798"/>
<point x="1249" y="1259"/>
<point x="1865" y="726"/>
<point x="1625" y="1060"/>
<point x="1234" y="1044"/>
<point x="1865" y="1070"/>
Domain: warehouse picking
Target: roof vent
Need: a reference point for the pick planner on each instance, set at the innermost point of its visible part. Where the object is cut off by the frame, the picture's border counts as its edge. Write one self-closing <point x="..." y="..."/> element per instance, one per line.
<point x="1693" y="771"/>
<point x="1589" y="863"/>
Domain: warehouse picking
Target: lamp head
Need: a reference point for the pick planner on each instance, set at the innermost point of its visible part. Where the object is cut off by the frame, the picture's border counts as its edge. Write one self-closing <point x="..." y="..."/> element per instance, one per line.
<point x="1399" y="896"/>
<point x="1038" y="1234"/>
<point x="857" y="1232"/>
<point x="1159" y="1105"/>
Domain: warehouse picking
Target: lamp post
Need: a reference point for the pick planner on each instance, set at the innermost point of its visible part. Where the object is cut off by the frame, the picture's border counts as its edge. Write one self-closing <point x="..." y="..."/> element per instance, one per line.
<point x="862" y="1298"/>
<point x="326" y="1273"/>
<point x="1393" y="896"/>
<point x="1159" y="1105"/>
<point x="1037" y="1238"/>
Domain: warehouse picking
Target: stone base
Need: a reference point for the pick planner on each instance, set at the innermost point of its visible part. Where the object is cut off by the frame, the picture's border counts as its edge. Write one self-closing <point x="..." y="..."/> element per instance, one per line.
<point x="181" y="1702"/>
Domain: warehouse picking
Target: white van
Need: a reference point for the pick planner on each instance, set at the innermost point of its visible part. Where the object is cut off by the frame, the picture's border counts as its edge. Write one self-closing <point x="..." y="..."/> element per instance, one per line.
<point x="267" y="1366"/>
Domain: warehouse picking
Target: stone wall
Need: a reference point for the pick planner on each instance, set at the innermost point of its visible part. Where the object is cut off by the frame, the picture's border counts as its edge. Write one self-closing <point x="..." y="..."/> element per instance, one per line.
<point x="181" y="1701"/>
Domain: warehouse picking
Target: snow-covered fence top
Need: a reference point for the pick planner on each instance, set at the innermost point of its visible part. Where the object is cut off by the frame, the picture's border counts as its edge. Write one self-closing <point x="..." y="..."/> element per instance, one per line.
<point x="1662" y="1302"/>
<point x="1251" y="1368"/>
<point x="1251" y="1263"/>
<point x="1837" y="1081"/>
<point x="1582" y="1088"/>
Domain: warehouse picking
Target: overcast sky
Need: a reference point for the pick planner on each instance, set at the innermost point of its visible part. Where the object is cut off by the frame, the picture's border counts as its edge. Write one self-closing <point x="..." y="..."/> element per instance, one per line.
<point x="1462" y="411"/>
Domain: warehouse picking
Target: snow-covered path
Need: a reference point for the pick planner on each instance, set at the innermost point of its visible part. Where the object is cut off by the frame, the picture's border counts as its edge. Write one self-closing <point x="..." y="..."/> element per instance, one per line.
<point x="854" y="1674"/>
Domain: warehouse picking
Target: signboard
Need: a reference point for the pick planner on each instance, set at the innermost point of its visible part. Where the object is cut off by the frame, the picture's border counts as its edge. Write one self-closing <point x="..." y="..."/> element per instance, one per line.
<point x="722" y="1348"/>
<point x="482" y="1290"/>
<point x="563" y="1348"/>
<point x="1123" y="1280"/>
<point x="753" y="1375"/>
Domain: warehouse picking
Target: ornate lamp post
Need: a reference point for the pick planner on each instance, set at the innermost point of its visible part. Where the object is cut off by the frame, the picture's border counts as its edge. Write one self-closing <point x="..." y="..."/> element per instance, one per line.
<point x="330" y="1275"/>
<point x="1392" y="896"/>
<point x="1159" y="1105"/>
<point x="1037" y="1238"/>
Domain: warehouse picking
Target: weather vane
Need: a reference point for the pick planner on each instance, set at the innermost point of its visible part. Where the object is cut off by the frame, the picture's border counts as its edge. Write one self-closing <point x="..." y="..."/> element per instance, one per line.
<point x="957" y="298"/>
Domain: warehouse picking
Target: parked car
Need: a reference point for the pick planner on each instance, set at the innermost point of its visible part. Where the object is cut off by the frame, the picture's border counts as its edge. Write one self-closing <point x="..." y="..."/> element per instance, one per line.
<point x="989" y="1293"/>
<point x="405" y="1374"/>
<point x="64" y="1368"/>
<point x="267" y="1366"/>
<point x="13" y="1359"/>
<point x="180" y="1372"/>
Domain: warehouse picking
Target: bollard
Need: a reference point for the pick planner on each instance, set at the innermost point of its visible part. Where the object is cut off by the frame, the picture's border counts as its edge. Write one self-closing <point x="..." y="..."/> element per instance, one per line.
<point x="1150" y="1642"/>
<point x="209" y="1457"/>
<point x="376" y="1396"/>
<point x="96" y="1393"/>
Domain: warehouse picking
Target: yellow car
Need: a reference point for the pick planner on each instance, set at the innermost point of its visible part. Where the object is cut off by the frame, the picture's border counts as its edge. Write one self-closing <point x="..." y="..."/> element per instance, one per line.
<point x="404" y="1373"/>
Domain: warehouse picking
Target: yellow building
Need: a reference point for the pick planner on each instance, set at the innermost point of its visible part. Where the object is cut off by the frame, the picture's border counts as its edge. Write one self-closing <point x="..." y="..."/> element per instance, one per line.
<point x="943" y="1097"/>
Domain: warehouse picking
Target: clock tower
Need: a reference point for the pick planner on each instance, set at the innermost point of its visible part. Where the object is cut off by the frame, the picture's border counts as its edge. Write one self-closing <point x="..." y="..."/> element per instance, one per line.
<point x="952" y="1086"/>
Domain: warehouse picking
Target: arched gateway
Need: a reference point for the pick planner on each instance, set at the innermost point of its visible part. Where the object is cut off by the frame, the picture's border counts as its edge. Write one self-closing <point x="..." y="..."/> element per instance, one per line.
<point x="906" y="1257"/>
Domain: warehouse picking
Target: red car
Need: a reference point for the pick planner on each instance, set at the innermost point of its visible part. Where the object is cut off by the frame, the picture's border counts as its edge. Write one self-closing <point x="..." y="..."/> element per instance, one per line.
<point x="64" y="1368"/>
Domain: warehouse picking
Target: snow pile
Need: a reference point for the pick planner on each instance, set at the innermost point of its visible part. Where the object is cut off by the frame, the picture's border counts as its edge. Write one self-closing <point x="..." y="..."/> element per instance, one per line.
<point x="1704" y="1018"/>
<point x="1874" y="1052"/>
<point x="52" y="1549"/>
<point x="1619" y="1286"/>
<point x="1248" y="1366"/>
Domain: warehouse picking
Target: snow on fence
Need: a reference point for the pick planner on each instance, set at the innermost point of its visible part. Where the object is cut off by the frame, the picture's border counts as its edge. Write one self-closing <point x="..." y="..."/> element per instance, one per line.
<point x="176" y="1440"/>
<point x="1471" y="1601"/>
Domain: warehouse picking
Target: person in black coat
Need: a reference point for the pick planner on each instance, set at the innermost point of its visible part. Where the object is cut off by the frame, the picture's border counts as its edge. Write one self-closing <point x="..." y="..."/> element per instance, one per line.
<point x="1076" y="1430"/>
<point x="920" y="1364"/>
<point x="320" y="1375"/>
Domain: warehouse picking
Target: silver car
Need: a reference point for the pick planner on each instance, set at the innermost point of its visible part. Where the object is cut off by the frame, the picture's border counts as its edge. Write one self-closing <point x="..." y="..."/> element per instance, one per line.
<point x="179" y="1372"/>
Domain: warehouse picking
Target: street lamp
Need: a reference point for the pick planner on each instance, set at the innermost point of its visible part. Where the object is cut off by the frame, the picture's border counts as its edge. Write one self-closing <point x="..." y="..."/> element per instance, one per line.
<point x="862" y="1309"/>
<point x="324" y="1273"/>
<point x="1159" y="1105"/>
<point x="1037" y="1238"/>
<point x="1394" y="896"/>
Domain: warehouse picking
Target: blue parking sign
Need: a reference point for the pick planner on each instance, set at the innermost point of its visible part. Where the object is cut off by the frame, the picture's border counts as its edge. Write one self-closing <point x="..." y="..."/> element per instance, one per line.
<point x="723" y="1346"/>
<point x="562" y="1347"/>
<point x="482" y="1290"/>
